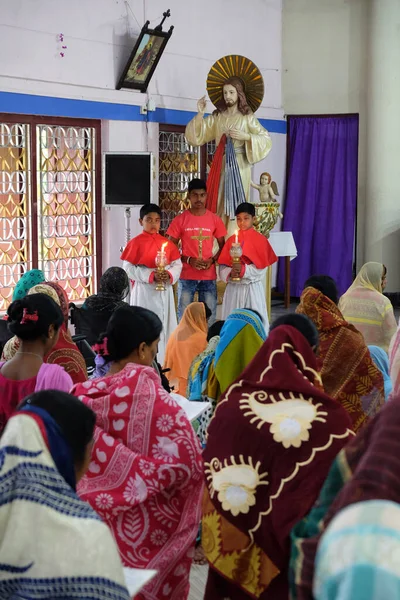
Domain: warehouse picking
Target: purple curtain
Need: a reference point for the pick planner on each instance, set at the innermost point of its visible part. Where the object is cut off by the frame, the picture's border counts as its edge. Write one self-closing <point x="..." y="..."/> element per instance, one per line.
<point x="321" y="198"/>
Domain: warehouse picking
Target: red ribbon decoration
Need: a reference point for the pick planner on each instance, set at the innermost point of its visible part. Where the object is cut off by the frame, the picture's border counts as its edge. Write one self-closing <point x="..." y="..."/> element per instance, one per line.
<point x="27" y="316"/>
<point x="101" y="348"/>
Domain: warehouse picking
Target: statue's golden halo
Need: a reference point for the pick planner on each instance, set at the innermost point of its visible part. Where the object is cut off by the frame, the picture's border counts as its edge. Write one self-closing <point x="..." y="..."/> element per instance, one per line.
<point x="236" y="66"/>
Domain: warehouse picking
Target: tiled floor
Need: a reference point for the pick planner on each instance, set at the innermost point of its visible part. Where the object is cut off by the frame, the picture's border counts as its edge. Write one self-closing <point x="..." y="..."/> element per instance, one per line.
<point x="198" y="580"/>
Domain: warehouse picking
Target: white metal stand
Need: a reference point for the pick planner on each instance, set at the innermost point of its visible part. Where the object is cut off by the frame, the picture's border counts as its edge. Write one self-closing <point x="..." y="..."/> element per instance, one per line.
<point x="127" y="228"/>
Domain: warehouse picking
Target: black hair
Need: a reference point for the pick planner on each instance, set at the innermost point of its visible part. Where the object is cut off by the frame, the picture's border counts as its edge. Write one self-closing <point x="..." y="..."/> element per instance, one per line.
<point x="255" y="312"/>
<point x="74" y="418"/>
<point x="197" y="184"/>
<point x="208" y="311"/>
<point x="324" y="284"/>
<point x="215" y="329"/>
<point x="302" y="323"/>
<point x="30" y="318"/>
<point x="128" y="327"/>
<point x="246" y="207"/>
<point x="149" y="208"/>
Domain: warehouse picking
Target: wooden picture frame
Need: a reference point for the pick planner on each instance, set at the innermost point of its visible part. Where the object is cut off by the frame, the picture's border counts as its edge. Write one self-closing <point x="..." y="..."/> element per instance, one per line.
<point x="144" y="57"/>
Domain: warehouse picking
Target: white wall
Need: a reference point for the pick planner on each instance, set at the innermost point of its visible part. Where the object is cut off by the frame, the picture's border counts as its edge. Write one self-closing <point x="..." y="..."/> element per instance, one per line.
<point x="324" y="62"/>
<point x="125" y="136"/>
<point x="100" y="34"/>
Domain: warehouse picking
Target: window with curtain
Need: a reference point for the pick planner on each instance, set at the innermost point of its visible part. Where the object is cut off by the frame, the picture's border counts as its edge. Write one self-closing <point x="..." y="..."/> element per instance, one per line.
<point x="50" y="203"/>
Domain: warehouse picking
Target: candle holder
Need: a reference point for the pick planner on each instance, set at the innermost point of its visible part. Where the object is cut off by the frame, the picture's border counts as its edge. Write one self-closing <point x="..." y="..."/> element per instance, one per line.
<point x="161" y="261"/>
<point x="236" y="255"/>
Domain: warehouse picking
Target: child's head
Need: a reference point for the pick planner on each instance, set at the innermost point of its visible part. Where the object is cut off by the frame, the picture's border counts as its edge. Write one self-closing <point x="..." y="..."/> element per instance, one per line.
<point x="132" y="335"/>
<point x="245" y="216"/>
<point x="265" y="178"/>
<point x="36" y="318"/>
<point x="150" y="218"/>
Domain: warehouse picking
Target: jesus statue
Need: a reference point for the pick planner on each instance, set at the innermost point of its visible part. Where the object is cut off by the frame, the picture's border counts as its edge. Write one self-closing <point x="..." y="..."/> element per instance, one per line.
<point x="233" y="118"/>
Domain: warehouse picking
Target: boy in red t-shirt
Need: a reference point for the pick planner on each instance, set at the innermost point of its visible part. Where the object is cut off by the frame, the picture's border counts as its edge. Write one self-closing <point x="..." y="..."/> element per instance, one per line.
<point x="196" y="229"/>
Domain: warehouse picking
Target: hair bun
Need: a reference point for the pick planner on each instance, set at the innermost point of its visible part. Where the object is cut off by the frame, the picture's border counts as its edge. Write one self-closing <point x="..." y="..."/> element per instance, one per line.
<point x="16" y="310"/>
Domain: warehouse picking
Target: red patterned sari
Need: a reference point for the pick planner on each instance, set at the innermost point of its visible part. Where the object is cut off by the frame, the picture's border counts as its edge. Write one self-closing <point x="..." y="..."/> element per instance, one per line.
<point x="270" y="445"/>
<point x="348" y="371"/>
<point x="145" y="478"/>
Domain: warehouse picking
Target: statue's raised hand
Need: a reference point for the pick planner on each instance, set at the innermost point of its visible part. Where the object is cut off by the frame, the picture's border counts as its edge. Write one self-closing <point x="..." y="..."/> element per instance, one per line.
<point x="202" y="105"/>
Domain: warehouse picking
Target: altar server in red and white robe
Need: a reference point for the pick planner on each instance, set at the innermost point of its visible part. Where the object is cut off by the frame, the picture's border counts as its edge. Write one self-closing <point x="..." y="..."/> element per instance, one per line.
<point x="246" y="278"/>
<point x="139" y="259"/>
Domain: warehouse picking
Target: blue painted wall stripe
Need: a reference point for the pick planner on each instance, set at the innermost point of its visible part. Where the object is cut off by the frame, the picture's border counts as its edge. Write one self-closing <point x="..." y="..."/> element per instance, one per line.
<point x="28" y="104"/>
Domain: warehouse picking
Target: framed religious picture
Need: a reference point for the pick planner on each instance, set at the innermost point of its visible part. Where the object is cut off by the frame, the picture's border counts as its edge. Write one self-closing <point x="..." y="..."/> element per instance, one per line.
<point x="145" y="56"/>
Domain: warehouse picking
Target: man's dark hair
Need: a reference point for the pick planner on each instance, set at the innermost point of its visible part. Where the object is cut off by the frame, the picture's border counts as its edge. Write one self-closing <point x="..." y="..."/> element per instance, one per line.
<point x="214" y="330"/>
<point x="302" y="323"/>
<point x="324" y="284"/>
<point x="197" y="184"/>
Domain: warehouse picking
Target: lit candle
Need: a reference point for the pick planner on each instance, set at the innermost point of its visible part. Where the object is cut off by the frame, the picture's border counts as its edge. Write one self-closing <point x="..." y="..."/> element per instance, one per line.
<point x="236" y="236"/>
<point x="163" y="247"/>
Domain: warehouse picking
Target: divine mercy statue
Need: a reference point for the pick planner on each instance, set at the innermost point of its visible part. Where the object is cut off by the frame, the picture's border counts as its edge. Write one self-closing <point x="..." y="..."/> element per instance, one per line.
<point x="235" y="86"/>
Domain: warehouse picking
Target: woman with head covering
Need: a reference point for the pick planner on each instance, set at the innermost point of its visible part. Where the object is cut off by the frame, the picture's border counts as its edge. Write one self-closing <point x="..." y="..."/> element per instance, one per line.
<point x="197" y="380"/>
<point x="270" y="445"/>
<point x="44" y="451"/>
<point x="145" y="479"/>
<point x="35" y="321"/>
<point x="381" y="360"/>
<point x="185" y="343"/>
<point x="347" y="370"/>
<point x="365" y="306"/>
<point x="27" y="281"/>
<point x="65" y="352"/>
<point x="91" y="320"/>
<point x="357" y="557"/>
<point x="368" y="468"/>
<point x="241" y="336"/>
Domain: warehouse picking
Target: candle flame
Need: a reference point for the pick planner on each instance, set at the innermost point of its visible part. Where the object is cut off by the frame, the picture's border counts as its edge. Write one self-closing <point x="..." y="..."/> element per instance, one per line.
<point x="164" y="246"/>
<point x="236" y="235"/>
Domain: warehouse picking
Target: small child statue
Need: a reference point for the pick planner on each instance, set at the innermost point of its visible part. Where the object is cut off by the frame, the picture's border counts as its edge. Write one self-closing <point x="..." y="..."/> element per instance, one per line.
<point x="268" y="209"/>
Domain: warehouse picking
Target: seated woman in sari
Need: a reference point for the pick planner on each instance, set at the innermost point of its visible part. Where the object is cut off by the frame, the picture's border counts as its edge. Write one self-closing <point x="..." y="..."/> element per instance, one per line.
<point x="365" y="306"/>
<point x="27" y="281"/>
<point x="381" y="360"/>
<point x="241" y="336"/>
<point x="145" y="479"/>
<point x="368" y="533"/>
<point x="347" y="370"/>
<point x="185" y="343"/>
<point x="367" y="469"/>
<point x="35" y="321"/>
<point x="91" y="320"/>
<point x="65" y="352"/>
<point x="270" y="445"/>
<point x="52" y="544"/>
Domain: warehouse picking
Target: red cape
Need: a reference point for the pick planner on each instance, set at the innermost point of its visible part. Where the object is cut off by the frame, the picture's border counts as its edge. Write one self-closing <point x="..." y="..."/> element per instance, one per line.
<point x="256" y="250"/>
<point x="142" y="250"/>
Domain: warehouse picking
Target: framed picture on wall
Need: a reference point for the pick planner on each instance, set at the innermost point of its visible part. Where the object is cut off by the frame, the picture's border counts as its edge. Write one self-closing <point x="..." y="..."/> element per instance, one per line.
<point x="145" y="56"/>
